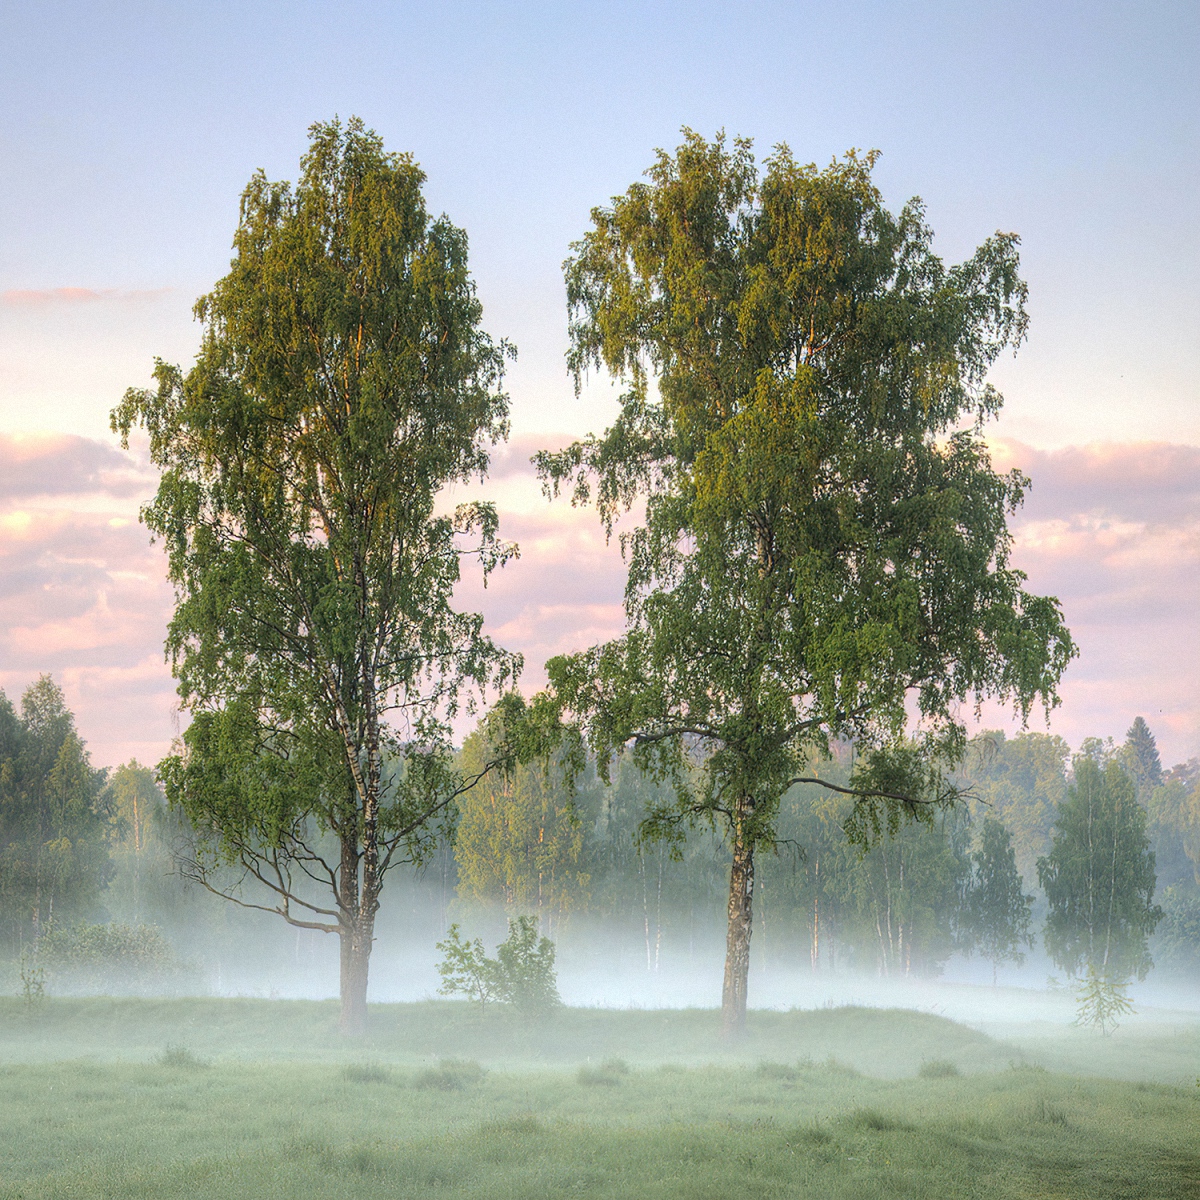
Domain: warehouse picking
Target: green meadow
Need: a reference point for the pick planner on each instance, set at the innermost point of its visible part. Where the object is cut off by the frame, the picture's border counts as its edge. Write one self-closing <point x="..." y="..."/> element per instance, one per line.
<point x="225" y="1098"/>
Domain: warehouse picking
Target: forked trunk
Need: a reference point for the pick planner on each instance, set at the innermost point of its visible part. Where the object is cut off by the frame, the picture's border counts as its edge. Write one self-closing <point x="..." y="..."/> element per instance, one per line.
<point x="737" y="940"/>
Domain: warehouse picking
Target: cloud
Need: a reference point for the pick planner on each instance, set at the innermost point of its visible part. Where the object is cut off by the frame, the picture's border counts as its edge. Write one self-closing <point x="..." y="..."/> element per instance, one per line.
<point x="34" y="465"/>
<point x="1150" y="482"/>
<point x="83" y="594"/>
<point x="75" y="296"/>
<point x="1113" y="531"/>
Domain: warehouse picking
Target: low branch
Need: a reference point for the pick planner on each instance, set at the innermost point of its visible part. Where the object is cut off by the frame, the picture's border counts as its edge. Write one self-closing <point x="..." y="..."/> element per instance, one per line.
<point x="861" y="793"/>
<point x="194" y="871"/>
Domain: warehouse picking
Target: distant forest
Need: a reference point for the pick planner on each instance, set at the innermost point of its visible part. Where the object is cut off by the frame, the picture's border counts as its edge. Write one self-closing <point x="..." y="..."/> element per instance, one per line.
<point x="87" y="858"/>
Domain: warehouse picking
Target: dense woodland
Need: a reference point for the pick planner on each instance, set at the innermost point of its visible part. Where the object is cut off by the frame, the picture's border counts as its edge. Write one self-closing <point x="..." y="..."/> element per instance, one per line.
<point x="86" y="851"/>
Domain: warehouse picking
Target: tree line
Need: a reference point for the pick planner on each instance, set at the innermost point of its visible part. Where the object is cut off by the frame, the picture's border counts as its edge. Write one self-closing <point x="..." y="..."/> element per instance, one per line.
<point x="1099" y="849"/>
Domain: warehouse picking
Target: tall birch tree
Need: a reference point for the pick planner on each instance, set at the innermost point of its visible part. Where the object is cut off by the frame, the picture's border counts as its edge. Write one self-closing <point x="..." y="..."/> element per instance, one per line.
<point x="343" y="381"/>
<point x="824" y="544"/>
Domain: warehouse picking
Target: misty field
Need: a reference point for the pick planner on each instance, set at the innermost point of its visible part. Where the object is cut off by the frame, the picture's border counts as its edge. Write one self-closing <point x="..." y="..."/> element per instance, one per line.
<point x="217" y="1098"/>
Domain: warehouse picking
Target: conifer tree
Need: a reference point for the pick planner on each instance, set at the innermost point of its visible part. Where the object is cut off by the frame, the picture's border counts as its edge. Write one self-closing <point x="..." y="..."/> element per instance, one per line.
<point x="996" y="912"/>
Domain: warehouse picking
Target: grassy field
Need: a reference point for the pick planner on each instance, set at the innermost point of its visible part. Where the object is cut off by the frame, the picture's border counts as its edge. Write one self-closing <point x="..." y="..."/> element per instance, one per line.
<point x="256" y="1098"/>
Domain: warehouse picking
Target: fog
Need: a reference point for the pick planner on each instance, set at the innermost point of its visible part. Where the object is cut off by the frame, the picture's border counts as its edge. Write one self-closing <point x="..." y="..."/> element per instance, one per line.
<point x="627" y="966"/>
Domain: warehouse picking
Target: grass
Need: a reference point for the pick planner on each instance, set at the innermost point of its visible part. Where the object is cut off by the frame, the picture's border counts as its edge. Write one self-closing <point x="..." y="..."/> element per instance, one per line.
<point x="285" y="1129"/>
<point x="413" y="1034"/>
<point x="385" y="1119"/>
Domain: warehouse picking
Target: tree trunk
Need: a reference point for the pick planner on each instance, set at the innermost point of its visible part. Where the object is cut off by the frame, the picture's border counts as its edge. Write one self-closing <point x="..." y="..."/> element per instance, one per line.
<point x="815" y="950"/>
<point x="356" y="941"/>
<point x="356" y="928"/>
<point x="737" y="941"/>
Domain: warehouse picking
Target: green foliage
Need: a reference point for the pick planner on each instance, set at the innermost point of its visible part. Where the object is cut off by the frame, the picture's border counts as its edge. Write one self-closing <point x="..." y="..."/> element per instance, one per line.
<point x="1020" y="781"/>
<point x="33" y="981"/>
<point x="182" y="1059"/>
<point x="366" y="1073"/>
<point x="527" y="968"/>
<point x="54" y="859"/>
<point x="519" y="840"/>
<point x="467" y="971"/>
<point x="1099" y="877"/>
<point x="1173" y="810"/>
<point x="1177" y="946"/>
<point x="810" y="351"/>
<point x="898" y="903"/>
<point x="450" y="1075"/>
<point x="824" y="537"/>
<point x="1102" y="1001"/>
<point x="1140" y="757"/>
<point x="938" y="1068"/>
<point x="609" y="1073"/>
<point x="343" y="382"/>
<point x="996" y="912"/>
<point x="110" y="957"/>
<point x="522" y="973"/>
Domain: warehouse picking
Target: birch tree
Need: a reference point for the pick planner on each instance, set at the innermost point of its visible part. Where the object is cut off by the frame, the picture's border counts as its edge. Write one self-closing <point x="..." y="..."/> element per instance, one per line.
<point x="824" y="543"/>
<point x="343" y="381"/>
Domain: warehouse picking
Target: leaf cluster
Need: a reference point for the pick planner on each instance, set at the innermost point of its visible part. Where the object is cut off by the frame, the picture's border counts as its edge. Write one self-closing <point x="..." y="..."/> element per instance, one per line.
<point x="522" y="973"/>
<point x="825" y="540"/>
<point x="343" y="382"/>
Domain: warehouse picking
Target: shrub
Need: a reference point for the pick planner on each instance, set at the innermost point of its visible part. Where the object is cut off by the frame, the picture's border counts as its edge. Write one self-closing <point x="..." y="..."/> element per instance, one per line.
<point x="780" y="1071"/>
<point x="607" y="1074"/>
<point x="522" y="973"/>
<point x="875" y="1121"/>
<point x="1101" y="1002"/>
<point x="181" y="1058"/>
<point x="938" y="1068"/>
<point x="450" y="1075"/>
<point x="366" y="1073"/>
<point x="111" y="958"/>
<point x="1049" y="1113"/>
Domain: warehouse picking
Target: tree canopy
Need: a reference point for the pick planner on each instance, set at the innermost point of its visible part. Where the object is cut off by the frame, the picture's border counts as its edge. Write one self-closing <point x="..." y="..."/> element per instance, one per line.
<point x="996" y="917"/>
<point x="54" y="859"/>
<point x="824" y="541"/>
<point x="1099" y="877"/>
<point x="343" y="380"/>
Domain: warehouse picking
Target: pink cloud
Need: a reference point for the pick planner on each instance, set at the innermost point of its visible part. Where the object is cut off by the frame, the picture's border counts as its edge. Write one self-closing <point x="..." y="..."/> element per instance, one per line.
<point x="72" y="296"/>
<point x="1114" y="531"/>
<point x="65" y="465"/>
<point x="1154" y="482"/>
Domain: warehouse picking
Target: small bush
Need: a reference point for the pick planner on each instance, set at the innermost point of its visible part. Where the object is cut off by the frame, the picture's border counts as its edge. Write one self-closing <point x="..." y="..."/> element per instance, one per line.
<point x="33" y="983"/>
<point x="1046" y="1112"/>
<point x="522" y="973"/>
<point x="938" y="1068"/>
<point x="114" y="959"/>
<point x="835" y="1066"/>
<point x="450" y="1075"/>
<point x="875" y="1121"/>
<point x="813" y="1135"/>
<point x="181" y="1058"/>
<point x="366" y="1073"/>
<point x="779" y="1071"/>
<point x="607" y="1074"/>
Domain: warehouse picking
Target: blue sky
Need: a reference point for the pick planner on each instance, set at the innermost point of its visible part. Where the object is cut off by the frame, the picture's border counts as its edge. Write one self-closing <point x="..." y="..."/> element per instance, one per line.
<point x="127" y="132"/>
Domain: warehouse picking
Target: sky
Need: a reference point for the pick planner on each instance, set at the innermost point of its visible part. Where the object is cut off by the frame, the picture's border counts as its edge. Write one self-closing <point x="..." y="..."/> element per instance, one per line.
<point x="127" y="132"/>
